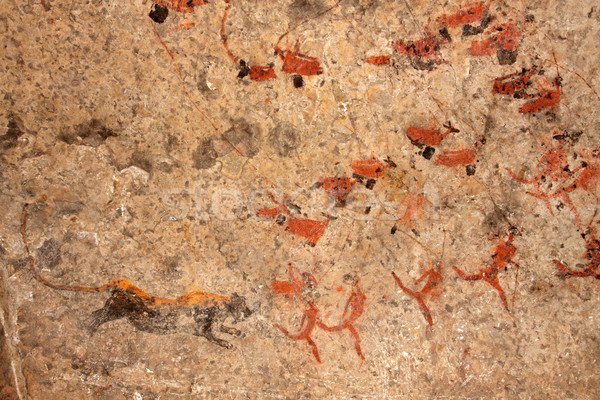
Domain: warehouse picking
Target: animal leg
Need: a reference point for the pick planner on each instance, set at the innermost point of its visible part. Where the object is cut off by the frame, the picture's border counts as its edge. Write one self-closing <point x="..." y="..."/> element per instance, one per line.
<point x="101" y="316"/>
<point x="230" y="330"/>
<point x="209" y="335"/>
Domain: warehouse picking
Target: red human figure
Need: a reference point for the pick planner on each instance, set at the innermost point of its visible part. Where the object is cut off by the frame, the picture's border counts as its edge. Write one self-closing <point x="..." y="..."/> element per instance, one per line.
<point x="587" y="179"/>
<point x="592" y="253"/>
<point x="434" y="279"/>
<point x="307" y="324"/>
<point x="516" y="87"/>
<point x="502" y="257"/>
<point x="470" y="13"/>
<point x="338" y="188"/>
<point x="355" y="306"/>
<point x="428" y="137"/>
<point x="293" y="289"/>
<point x="297" y="63"/>
<point x="546" y="99"/>
<point x="554" y="165"/>
<point x="414" y="209"/>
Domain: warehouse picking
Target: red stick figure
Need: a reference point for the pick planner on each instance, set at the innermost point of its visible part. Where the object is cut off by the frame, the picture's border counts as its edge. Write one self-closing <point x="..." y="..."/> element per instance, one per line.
<point x="293" y="289"/>
<point x="307" y="324"/>
<point x="502" y="257"/>
<point x="554" y="165"/>
<point x="414" y="209"/>
<point x="514" y="84"/>
<point x="355" y="306"/>
<point x="338" y="188"/>
<point x="429" y="137"/>
<point x="434" y="279"/>
<point x="592" y="253"/>
<point x="588" y="180"/>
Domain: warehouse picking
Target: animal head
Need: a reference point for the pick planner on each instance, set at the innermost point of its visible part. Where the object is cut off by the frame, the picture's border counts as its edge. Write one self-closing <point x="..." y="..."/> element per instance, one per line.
<point x="238" y="309"/>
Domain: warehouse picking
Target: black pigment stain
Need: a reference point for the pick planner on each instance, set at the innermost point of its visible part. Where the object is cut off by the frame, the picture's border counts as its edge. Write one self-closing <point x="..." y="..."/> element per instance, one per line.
<point x="507" y="57"/>
<point x="14" y="130"/>
<point x="93" y="134"/>
<point x="298" y="81"/>
<point x="158" y="13"/>
<point x="428" y="152"/>
<point x="205" y="155"/>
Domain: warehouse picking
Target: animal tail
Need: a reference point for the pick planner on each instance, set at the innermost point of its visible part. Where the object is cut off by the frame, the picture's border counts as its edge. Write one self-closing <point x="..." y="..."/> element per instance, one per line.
<point x="44" y="281"/>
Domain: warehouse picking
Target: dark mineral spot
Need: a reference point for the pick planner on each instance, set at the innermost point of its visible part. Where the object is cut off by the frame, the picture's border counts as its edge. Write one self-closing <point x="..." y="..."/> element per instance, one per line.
<point x="93" y="133"/>
<point x="394" y="229"/>
<point x="66" y="208"/>
<point x="470" y="169"/>
<point x="470" y="30"/>
<point x="370" y="184"/>
<point x="14" y="130"/>
<point x="298" y="81"/>
<point x="141" y="160"/>
<point x="245" y="137"/>
<point x="158" y="13"/>
<point x="428" y="152"/>
<point x="300" y="9"/>
<point x="205" y="155"/>
<point x="284" y="138"/>
<point x="418" y="64"/>
<point x="506" y="57"/>
<point x="445" y="34"/>
<point x="49" y="254"/>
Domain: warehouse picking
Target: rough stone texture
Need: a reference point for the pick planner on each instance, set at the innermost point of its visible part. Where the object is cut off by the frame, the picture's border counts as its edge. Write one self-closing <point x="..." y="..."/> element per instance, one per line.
<point x="124" y="154"/>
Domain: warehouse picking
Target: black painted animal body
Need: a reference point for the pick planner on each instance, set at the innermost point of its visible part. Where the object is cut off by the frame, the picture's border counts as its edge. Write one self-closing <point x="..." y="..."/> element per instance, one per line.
<point x="198" y="313"/>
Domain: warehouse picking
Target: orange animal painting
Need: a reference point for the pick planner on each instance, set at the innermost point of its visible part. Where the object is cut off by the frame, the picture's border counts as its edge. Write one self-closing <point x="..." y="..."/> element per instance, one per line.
<point x="297" y="63"/>
<point x="379" y="60"/>
<point x="429" y="137"/>
<point x="338" y="188"/>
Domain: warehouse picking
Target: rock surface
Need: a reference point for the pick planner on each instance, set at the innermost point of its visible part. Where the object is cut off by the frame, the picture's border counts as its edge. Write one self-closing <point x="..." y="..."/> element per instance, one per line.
<point x="185" y="147"/>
